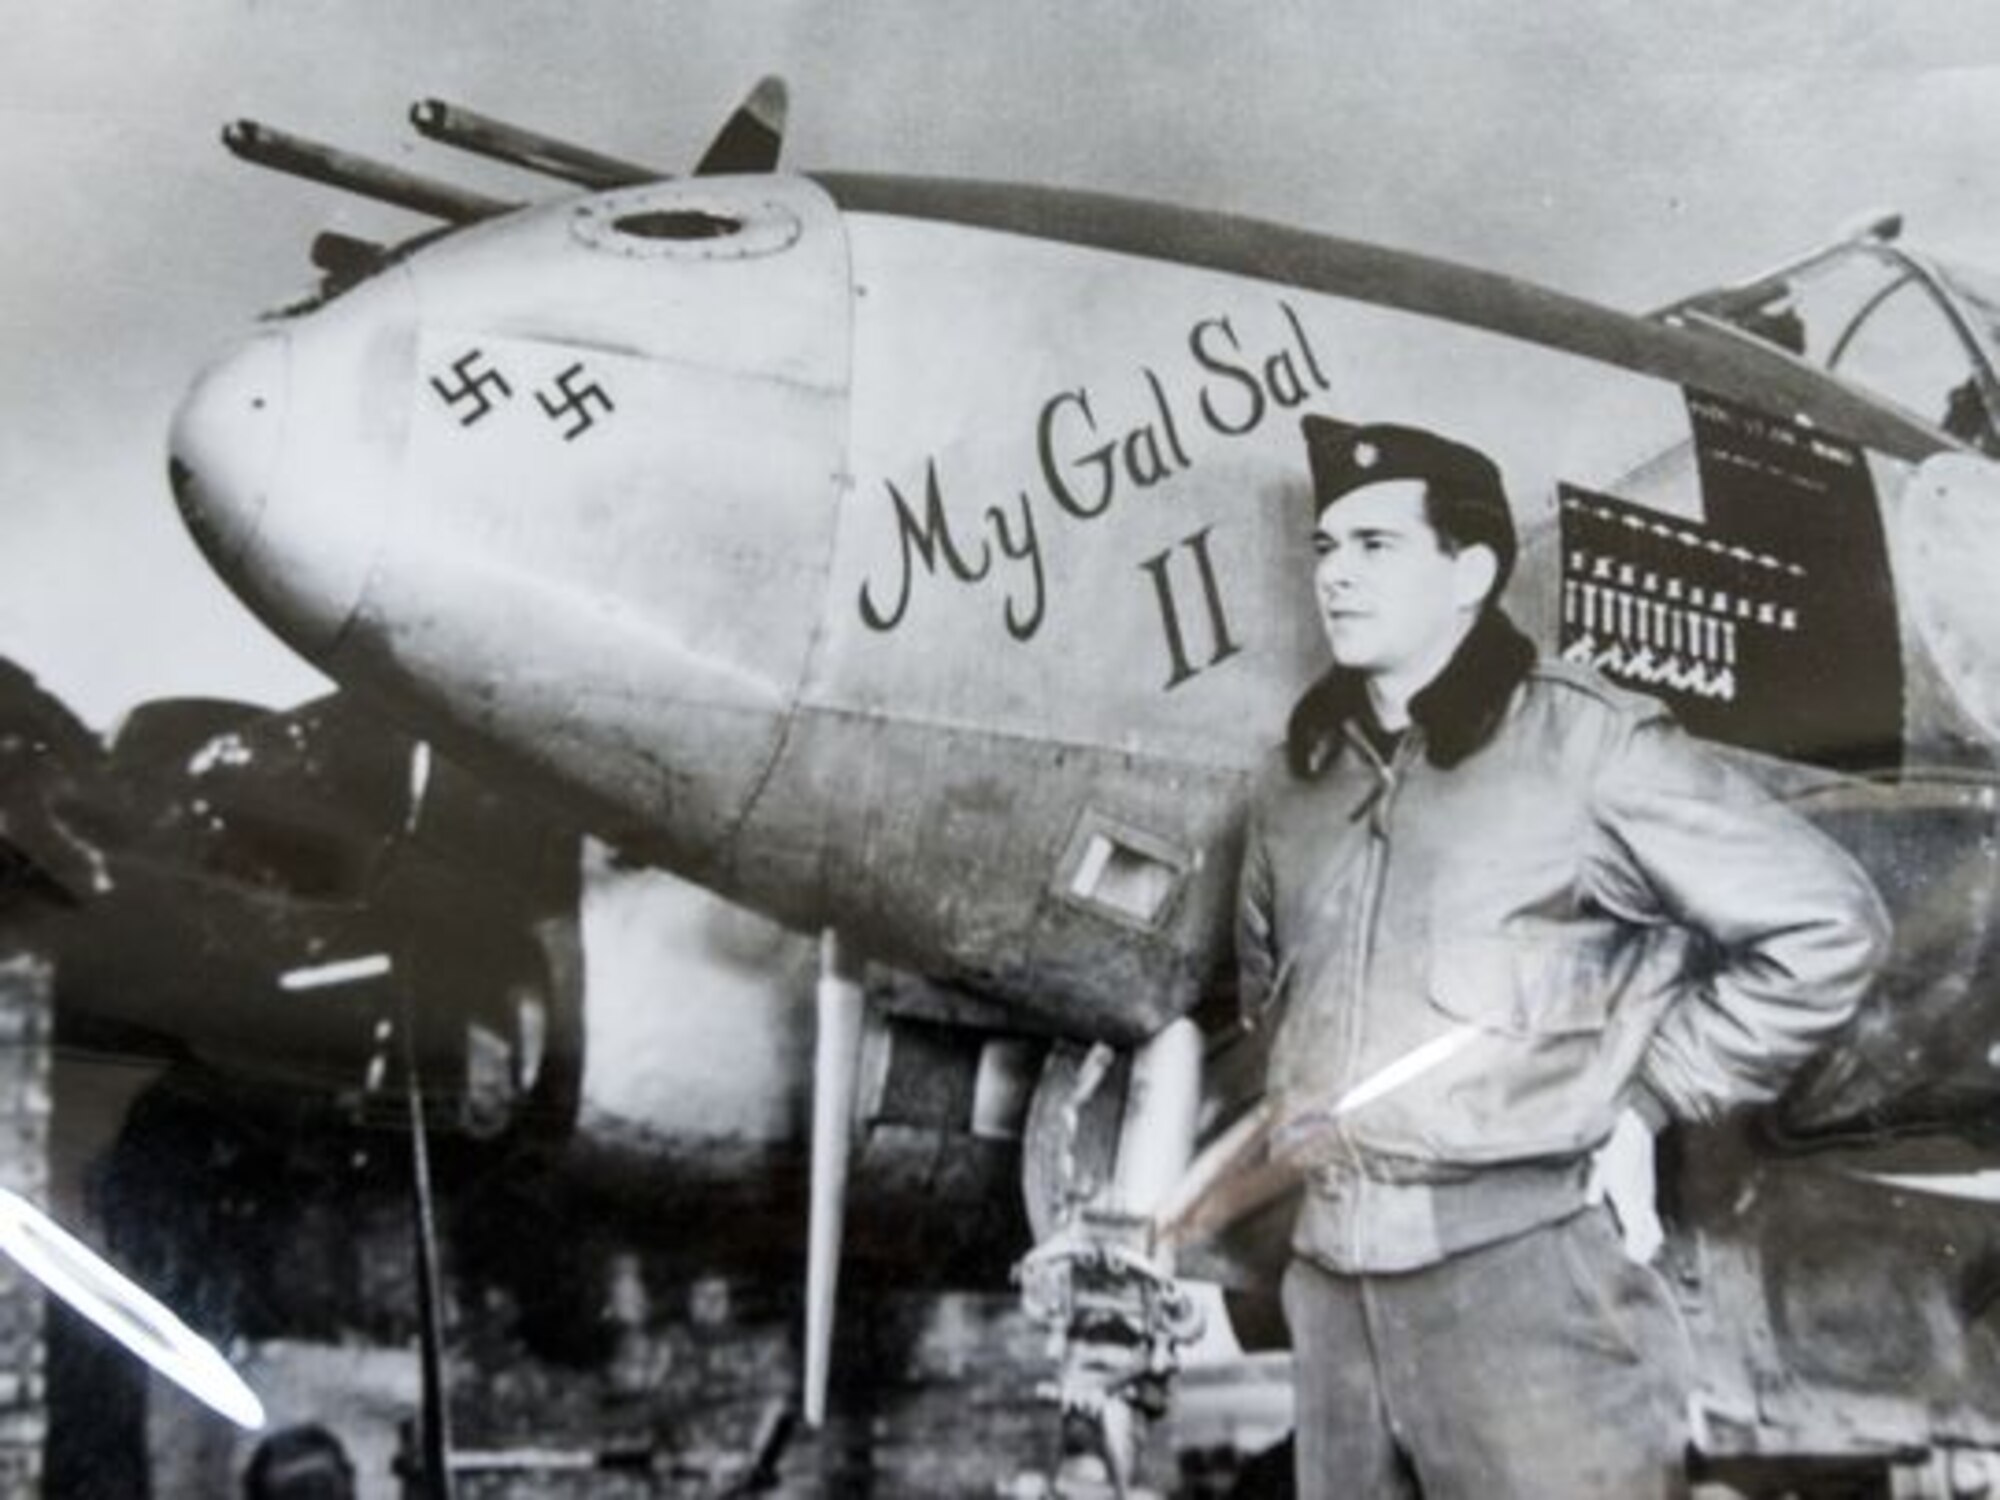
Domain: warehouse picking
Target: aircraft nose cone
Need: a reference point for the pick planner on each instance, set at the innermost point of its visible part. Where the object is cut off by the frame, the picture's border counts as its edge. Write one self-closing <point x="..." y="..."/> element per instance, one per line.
<point x="276" y="485"/>
<point x="224" y="447"/>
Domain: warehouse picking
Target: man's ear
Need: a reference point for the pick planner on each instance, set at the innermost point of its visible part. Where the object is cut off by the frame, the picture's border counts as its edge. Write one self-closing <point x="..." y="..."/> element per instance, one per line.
<point x="1475" y="569"/>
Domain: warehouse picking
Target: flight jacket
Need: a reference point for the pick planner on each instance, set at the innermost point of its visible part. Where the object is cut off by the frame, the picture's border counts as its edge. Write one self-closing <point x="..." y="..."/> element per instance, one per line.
<point x="1548" y="904"/>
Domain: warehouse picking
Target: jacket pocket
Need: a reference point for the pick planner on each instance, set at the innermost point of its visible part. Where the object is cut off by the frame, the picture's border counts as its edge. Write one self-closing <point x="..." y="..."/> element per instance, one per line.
<point x="1529" y="979"/>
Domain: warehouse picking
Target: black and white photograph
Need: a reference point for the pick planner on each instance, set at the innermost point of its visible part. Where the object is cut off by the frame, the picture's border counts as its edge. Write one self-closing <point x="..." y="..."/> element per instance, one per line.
<point x="1050" y="751"/>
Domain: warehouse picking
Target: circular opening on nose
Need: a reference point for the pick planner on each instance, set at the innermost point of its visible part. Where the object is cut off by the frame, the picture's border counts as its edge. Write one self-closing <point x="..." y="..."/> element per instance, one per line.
<point x="677" y="224"/>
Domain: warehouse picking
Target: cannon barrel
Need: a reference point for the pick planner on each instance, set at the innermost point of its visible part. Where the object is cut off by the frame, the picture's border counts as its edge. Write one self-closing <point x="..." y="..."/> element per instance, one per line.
<point x="275" y="149"/>
<point x="454" y="125"/>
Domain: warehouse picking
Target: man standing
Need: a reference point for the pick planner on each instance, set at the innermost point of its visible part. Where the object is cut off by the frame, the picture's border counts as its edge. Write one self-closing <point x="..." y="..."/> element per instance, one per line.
<point x="1494" y="901"/>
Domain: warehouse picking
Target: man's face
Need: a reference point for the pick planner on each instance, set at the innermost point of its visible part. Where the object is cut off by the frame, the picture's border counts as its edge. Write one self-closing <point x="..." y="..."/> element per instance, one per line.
<point x="1390" y="596"/>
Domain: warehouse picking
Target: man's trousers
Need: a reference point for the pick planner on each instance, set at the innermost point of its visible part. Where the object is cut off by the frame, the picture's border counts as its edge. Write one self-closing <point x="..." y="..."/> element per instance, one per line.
<point x="1547" y="1365"/>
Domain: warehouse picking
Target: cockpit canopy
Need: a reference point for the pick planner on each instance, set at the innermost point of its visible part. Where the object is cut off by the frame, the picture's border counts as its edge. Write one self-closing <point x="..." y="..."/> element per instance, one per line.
<point x="1908" y="329"/>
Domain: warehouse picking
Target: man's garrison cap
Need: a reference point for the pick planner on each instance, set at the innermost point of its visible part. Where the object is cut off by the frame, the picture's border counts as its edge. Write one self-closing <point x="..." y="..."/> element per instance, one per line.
<point x="1468" y="501"/>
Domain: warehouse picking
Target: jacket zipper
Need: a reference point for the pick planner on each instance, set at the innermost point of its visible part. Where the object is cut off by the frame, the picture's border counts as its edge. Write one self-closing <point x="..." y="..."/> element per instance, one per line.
<point x="1373" y="868"/>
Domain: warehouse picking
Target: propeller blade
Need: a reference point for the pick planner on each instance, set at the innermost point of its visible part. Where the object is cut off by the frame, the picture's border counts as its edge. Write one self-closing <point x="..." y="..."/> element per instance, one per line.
<point x="841" y="1008"/>
<point x="80" y="1276"/>
<point x="1162" y="1105"/>
<point x="1238" y="1173"/>
<point x="750" y="139"/>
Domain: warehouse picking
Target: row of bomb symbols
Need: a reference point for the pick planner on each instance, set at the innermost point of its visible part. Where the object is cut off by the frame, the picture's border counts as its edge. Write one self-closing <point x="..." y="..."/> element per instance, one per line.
<point x="1665" y="607"/>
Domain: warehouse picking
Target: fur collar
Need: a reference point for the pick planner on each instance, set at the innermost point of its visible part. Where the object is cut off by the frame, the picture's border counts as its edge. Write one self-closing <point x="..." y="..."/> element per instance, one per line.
<point x="1457" y="711"/>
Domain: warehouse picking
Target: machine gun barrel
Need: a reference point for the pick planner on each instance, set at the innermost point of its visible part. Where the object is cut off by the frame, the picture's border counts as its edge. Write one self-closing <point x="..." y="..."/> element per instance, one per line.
<point x="468" y="130"/>
<point x="275" y="149"/>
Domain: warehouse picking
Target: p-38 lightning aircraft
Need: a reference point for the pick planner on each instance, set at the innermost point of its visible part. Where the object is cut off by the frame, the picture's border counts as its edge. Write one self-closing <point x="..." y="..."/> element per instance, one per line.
<point x="922" y="562"/>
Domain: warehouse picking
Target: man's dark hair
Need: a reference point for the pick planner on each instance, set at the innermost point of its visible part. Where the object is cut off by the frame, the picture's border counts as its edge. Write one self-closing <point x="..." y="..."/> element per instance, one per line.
<point x="1461" y="520"/>
<point x="305" y="1462"/>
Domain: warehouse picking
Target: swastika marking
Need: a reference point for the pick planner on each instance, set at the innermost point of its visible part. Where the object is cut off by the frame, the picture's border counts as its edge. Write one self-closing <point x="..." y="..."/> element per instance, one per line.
<point x="575" y="403"/>
<point x="472" y="390"/>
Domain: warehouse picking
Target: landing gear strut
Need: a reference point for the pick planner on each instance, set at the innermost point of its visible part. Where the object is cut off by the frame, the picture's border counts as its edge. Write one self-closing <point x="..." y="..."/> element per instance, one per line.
<point x="1117" y="1319"/>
